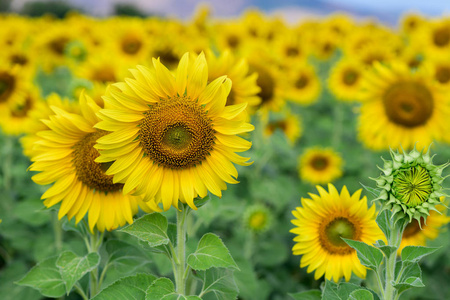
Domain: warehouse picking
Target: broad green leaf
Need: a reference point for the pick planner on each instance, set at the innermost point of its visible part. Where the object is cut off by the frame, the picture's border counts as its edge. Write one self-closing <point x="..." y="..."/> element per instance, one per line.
<point x="211" y="252"/>
<point x="9" y="290"/>
<point x="45" y="277"/>
<point x="384" y="220"/>
<point x="125" y="257"/>
<point x="31" y="212"/>
<point x="220" y="282"/>
<point x="129" y="288"/>
<point x="163" y="289"/>
<point x="361" y="294"/>
<point x="369" y="256"/>
<point x="409" y="270"/>
<point x="333" y="291"/>
<point x="407" y="284"/>
<point x="308" y="295"/>
<point x="150" y="228"/>
<point x="415" y="253"/>
<point x="73" y="267"/>
<point x="386" y="249"/>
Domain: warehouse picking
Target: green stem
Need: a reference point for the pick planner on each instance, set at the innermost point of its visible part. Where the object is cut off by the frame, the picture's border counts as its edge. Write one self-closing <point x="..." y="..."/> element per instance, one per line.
<point x="96" y="240"/>
<point x="57" y="230"/>
<point x="394" y="240"/>
<point x="338" y="125"/>
<point x="380" y="284"/>
<point x="81" y="292"/>
<point x="180" y="264"/>
<point x="7" y="162"/>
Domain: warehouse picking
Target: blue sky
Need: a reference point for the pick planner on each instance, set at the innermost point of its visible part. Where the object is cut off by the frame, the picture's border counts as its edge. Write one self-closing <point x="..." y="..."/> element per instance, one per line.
<point x="387" y="11"/>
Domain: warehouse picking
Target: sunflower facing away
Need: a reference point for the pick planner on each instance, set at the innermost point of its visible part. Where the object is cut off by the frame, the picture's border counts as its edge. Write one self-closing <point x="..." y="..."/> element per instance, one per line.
<point x="402" y="108"/>
<point x="172" y="137"/>
<point x="320" y="165"/>
<point x="322" y="221"/>
<point x="65" y="157"/>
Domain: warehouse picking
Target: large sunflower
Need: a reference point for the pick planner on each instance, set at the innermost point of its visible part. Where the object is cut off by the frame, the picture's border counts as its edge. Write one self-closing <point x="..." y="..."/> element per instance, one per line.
<point x="66" y="157"/>
<point x="402" y="108"/>
<point x="320" y="165"/>
<point x="322" y="221"/>
<point x="172" y="137"/>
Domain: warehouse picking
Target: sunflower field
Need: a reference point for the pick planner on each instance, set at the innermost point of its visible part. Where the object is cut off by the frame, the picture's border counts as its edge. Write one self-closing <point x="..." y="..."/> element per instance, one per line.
<point x="248" y="158"/>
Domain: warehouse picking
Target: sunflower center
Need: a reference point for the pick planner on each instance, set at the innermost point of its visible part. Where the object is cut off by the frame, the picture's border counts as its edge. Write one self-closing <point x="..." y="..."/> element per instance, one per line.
<point x="412" y="186"/>
<point x="409" y="104"/>
<point x="443" y="74"/>
<point x="266" y="82"/>
<point x="258" y="220"/>
<point x="131" y="45"/>
<point x="176" y="133"/>
<point x="319" y="163"/>
<point x="331" y="233"/>
<point x="21" y="111"/>
<point x="413" y="228"/>
<point x="301" y="82"/>
<point x="292" y="51"/>
<point x="19" y="59"/>
<point x="441" y="37"/>
<point x="7" y="83"/>
<point x="350" y="77"/>
<point x="167" y="57"/>
<point x="88" y="171"/>
<point x="58" y="45"/>
<point x="233" y="41"/>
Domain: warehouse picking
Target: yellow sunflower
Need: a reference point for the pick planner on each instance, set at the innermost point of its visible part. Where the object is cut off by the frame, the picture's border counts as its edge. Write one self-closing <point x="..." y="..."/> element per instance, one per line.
<point x="172" y="137"/>
<point x="14" y="82"/>
<point x="416" y="234"/>
<point x="441" y="71"/>
<point x="322" y="221"/>
<point x="436" y="38"/>
<point x="301" y="84"/>
<point x="66" y="157"/>
<point x="402" y="108"/>
<point x="290" y="125"/>
<point x="320" y="165"/>
<point x="345" y="80"/>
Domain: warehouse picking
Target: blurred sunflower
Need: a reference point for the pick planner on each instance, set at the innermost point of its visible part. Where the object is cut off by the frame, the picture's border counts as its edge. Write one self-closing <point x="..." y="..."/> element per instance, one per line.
<point x="416" y="234"/>
<point x="322" y="221"/>
<point x="441" y="70"/>
<point x="345" y="80"/>
<point x="436" y="38"/>
<point x="172" y="137"/>
<point x="401" y="108"/>
<point x="257" y="218"/>
<point x="99" y="68"/>
<point x="301" y="85"/>
<point x="290" y="125"/>
<point x="320" y="165"/>
<point x="411" y="23"/>
<point x="66" y="157"/>
<point x="14" y="82"/>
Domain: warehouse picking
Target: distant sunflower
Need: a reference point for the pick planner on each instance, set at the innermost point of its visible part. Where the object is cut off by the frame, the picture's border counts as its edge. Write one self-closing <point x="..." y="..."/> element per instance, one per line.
<point x="13" y="85"/>
<point x="172" y="137"/>
<point x="345" y="80"/>
<point x="290" y="125"/>
<point x="436" y="37"/>
<point x="416" y="234"/>
<point x="402" y="108"/>
<point x="441" y="70"/>
<point x="66" y="157"/>
<point x="302" y="85"/>
<point x="319" y="165"/>
<point x="411" y="23"/>
<point x="322" y="221"/>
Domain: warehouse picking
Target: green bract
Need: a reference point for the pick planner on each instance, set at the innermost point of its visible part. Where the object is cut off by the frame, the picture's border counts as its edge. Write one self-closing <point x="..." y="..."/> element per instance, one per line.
<point x="411" y="185"/>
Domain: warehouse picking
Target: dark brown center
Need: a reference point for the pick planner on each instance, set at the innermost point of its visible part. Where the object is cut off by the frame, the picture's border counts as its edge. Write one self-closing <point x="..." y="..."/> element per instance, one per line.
<point x="7" y="84"/>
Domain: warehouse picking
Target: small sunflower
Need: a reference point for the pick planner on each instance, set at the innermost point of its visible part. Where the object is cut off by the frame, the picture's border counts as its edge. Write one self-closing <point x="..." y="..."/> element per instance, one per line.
<point x="172" y="137"/>
<point x="441" y="70"/>
<point x="290" y="125"/>
<point x="402" y="108"/>
<point x="345" y="80"/>
<point x="320" y="165"/>
<point x="302" y="85"/>
<point x="416" y="234"/>
<point x="14" y="82"/>
<point x="322" y="221"/>
<point x="258" y="218"/>
<point x="66" y="157"/>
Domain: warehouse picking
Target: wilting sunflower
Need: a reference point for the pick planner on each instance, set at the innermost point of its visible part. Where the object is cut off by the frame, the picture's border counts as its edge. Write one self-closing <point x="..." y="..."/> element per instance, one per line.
<point x="416" y="234"/>
<point x="66" y="157"/>
<point x="402" y="108"/>
<point x="322" y="221"/>
<point x="172" y="137"/>
<point x="345" y="80"/>
<point x="320" y="165"/>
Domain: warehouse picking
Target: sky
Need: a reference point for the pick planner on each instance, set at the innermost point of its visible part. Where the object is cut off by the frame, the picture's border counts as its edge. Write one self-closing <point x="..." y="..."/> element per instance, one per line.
<point x="387" y="11"/>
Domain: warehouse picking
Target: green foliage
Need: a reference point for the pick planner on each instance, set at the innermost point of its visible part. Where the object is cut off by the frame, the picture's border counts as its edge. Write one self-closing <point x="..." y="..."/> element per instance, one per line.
<point x="369" y="256"/>
<point x="361" y="295"/>
<point x="130" y="288"/>
<point x="334" y="291"/>
<point x="415" y="253"/>
<point x="219" y="283"/>
<point x="150" y="228"/>
<point x="308" y="295"/>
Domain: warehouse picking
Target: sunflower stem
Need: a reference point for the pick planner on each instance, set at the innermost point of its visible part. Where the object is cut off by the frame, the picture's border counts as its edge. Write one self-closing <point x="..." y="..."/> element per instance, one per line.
<point x="7" y="162"/>
<point x="180" y="265"/>
<point x="338" y="124"/>
<point x="395" y="239"/>
<point x="95" y="241"/>
<point x="57" y="229"/>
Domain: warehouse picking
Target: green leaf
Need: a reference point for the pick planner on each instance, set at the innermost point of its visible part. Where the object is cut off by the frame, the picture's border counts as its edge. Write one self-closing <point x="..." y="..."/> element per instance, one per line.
<point x="371" y="190"/>
<point x="125" y="257"/>
<point x="407" y="284"/>
<point x="308" y="295"/>
<point x="220" y="282"/>
<point x="163" y="289"/>
<point x="211" y="252"/>
<point x="150" y="228"/>
<point x="369" y="256"/>
<point x="73" y="267"/>
<point x="45" y="277"/>
<point x="199" y="202"/>
<point x="415" y="253"/>
<point x="333" y="291"/>
<point x="361" y="294"/>
<point x="130" y="288"/>
<point x="383" y="221"/>
<point x="387" y="250"/>
<point x="410" y="270"/>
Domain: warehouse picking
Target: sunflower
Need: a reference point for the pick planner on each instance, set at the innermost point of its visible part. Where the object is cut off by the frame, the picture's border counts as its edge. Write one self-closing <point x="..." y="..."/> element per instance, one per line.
<point x="345" y="80"/>
<point x="320" y="165"/>
<point x="441" y="70"/>
<point x="411" y="23"/>
<point x="257" y="218"/>
<point x="172" y="137"/>
<point x="290" y="125"/>
<point x="416" y="234"/>
<point x="322" y="221"/>
<point x="401" y="108"/>
<point x="66" y="158"/>
<point x="436" y="37"/>
<point x="244" y="88"/>
<point x="14" y="82"/>
<point x="99" y="69"/>
<point x="302" y="85"/>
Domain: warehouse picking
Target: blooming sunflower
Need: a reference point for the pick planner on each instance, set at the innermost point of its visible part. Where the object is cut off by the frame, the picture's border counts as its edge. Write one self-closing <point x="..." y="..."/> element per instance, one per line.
<point x="416" y="234"/>
<point x="14" y="82"/>
<point x="401" y="108"/>
<point x="66" y="157"/>
<point x="322" y="221"/>
<point x="345" y="80"/>
<point x="172" y="137"/>
<point x="290" y="125"/>
<point x="302" y="85"/>
<point x="320" y="165"/>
